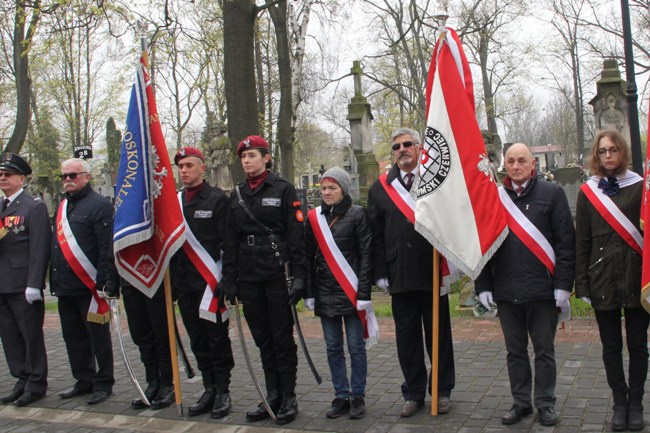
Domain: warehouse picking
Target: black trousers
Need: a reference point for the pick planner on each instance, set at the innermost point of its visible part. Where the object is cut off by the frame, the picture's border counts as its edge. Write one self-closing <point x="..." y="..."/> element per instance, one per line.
<point x="147" y="318"/>
<point x="539" y="320"/>
<point x="267" y="311"/>
<point x="21" y="330"/>
<point x="636" y="332"/>
<point x="209" y="341"/>
<point x="413" y="311"/>
<point x="89" y="345"/>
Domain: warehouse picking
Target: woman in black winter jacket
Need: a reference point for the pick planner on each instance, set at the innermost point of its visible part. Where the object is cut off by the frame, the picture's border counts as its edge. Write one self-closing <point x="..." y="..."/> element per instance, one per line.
<point x="339" y="292"/>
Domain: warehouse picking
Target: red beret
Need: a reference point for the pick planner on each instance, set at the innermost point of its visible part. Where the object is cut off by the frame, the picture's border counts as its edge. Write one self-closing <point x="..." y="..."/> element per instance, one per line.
<point x="188" y="151"/>
<point x="252" y="142"/>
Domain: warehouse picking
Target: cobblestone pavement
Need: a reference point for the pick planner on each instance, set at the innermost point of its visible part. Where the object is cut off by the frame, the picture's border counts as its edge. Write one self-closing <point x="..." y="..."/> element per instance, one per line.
<point x="481" y="395"/>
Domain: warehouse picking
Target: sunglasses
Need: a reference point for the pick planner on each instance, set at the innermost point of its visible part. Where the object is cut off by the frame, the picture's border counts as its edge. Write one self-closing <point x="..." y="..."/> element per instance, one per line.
<point x="7" y="173"/>
<point x="71" y="176"/>
<point x="396" y="146"/>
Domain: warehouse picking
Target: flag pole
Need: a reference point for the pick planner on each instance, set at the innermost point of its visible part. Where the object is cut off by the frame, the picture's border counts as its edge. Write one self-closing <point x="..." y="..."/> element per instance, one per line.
<point x="172" y="344"/>
<point x="435" y="337"/>
<point x="171" y="328"/>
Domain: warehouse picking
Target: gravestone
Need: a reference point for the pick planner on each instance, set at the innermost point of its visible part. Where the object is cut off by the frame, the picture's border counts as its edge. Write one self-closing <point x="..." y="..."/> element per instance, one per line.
<point x="570" y="179"/>
<point x="362" y="157"/>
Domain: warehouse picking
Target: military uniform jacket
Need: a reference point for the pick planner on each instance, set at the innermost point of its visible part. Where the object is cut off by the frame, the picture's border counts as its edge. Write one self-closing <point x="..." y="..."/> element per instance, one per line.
<point x="24" y="249"/>
<point x="91" y="220"/>
<point x="206" y="216"/>
<point x="248" y="254"/>
<point x="402" y="255"/>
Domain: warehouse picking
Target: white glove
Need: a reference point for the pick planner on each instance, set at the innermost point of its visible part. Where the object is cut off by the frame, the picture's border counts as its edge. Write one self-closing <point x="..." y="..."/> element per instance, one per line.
<point x="32" y="294"/>
<point x="561" y="296"/>
<point x="587" y="299"/>
<point x="363" y="305"/>
<point x="309" y="304"/>
<point x="383" y="284"/>
<point x="487" y="300"/>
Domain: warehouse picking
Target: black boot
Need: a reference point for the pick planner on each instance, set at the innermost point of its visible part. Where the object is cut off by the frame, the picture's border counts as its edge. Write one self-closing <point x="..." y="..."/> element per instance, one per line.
<point x="222" y="405"/>
<point x="165" y="397"/>
<point x="288" y="409"/>
<point x="273" y="398"/>
<point x="206" y="401"/>
<point x="635" y="420"/>
<point x="619" y="417"/>
<point x="150" y="393"/>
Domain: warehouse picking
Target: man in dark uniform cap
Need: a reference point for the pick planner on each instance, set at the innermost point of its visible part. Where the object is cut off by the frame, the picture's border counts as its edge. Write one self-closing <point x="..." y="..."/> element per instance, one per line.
<point x="24" y="253"/>
<point x="204" y="209"/>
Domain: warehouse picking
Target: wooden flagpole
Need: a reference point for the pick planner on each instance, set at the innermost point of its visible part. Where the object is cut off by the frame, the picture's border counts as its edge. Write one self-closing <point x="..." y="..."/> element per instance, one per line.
<point x="172" y="344"/>
<point x="435" y="337"/>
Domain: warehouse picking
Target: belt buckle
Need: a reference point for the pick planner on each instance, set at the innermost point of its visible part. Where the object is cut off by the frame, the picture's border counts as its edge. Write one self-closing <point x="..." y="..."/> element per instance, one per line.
<point x="250" y="240"/>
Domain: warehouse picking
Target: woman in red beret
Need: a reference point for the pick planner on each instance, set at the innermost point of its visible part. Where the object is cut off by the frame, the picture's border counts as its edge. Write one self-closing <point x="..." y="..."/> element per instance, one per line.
<point x="265" y="232"/>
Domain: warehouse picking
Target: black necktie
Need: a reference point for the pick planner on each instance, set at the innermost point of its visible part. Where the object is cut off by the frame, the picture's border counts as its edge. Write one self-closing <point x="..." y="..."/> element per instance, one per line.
<point x="5" y="203"/>
<point x="409" y="180"/>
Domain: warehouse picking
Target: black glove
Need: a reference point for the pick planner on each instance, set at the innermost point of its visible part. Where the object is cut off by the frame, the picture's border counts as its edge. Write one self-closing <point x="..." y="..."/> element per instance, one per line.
<point x="297" y="291"/>
<point x="229" y="291"/>
<point x="111" y="290"/>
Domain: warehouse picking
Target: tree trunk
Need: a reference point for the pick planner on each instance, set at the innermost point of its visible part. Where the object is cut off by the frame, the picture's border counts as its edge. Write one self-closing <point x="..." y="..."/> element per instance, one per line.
<point x="488" y="94"/>
<point x="239" y="73"/>
<point x="285" y="114"/>
<point x="21" y="44"/>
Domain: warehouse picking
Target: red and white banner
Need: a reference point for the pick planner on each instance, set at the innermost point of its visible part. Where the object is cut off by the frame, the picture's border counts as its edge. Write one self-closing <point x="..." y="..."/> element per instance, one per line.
<point x="457" y="207"/>
<point x="343" y="272"/>
<point x="527" y="233"/>
<point x="148" y="226"/>
<point x="83" y="268"/>
<point x="613" y="215"/>
<point x="209" y="270"/>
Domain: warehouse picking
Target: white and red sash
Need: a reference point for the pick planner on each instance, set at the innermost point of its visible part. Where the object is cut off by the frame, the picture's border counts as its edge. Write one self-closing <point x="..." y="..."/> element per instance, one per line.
<point x="343" y="273"/>
<point x="527" y="233"/>
<point x="209" y="270"/>
<point x="399" y="196"/>
<point x="612" y="214"/>
<point x="99" y="311"/>
<point x="406" y="204"/>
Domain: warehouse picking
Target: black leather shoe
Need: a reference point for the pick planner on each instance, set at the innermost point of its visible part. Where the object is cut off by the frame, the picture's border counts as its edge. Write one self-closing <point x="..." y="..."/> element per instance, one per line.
<point x="15" y="395"/>
<point x="221" y="405"/>
<point x="29" y="398"/>
<point x="288" y="410"/>
<point x="204" y="403"/>
<point x="547" y="416"/>
<point x="635" y="420"/>
<point x="619" y="418"/>
<point x="515" y="414"/>
<point x="411" y="407"/>
<point x="75" y="392"/>
<point x="98" y="396"/>
<point x="339" y="407"/>
<point x="164" y="398"/>
<point x="259" y="414"/>
<point x="150" y="393"/>
<point x="357" y="407"/>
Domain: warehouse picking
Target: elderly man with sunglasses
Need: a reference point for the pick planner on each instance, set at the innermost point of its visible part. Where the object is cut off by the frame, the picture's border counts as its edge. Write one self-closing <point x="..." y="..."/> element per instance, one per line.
<point x="404" y="268"/>
<point x="79" y="255"/>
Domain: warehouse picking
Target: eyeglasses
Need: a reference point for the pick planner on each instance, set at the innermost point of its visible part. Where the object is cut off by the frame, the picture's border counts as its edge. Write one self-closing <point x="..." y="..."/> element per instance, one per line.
<point x="612" y="151"/>
<point x="71" y="176"/>
<point x="7" y="173"/>
<point x="396" y="146"/>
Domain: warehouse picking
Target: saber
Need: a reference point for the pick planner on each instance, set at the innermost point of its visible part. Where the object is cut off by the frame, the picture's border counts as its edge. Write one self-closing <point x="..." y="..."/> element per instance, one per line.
<point x="242" y="340"/>
<point x="301" y="337"/>
<point x="187" y="366"/>
<point x="115" y="324"/>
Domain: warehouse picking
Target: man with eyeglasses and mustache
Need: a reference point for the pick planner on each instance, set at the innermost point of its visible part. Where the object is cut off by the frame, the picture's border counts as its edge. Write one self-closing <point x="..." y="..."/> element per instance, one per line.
<point x="404" y="268"/>
<point x="78" y="267"/>
<point x="24" y="240"/>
